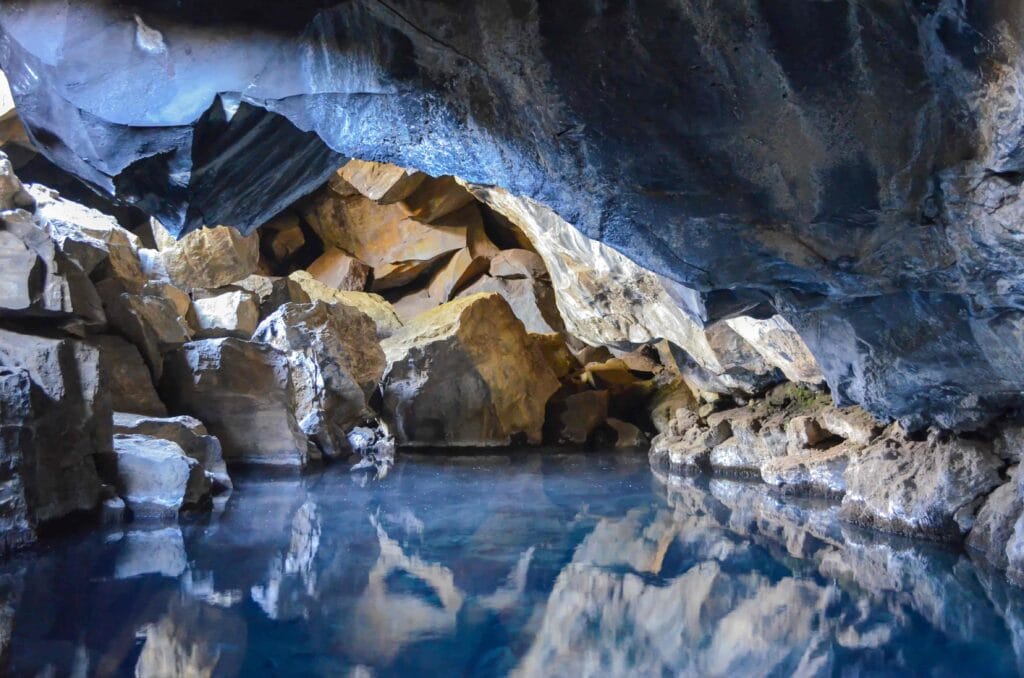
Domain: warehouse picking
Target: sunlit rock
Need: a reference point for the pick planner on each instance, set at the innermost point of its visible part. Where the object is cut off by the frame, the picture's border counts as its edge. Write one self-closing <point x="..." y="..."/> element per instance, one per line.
<point x="245" y="395"/>
<point x="272" y="292"/>
<point x="780" y="345"/>
<point x="373" y="305"/>
<point x="466" y="373"/>
<point x="339" y="270"/>
<point x="381" y="182"/>
<point x="208" y="258"/>
<point x="233" y="313"/>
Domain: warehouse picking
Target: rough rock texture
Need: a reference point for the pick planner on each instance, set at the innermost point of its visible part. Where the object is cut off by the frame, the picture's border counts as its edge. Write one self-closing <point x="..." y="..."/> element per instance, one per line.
<point x="188" y="433"/>
<point x="244" y="394"/>
<point x="336" y="365"/>
<point x="128" y="379"/>
<point x="856" y="166"/>
<point x="336" y="268"/>
<point x="209" y="257"/>
<point x="466" y="374"/>
<point x="924" y="488"/>
<point x="228" y="314"/>
<point x="154" y="476"/>
<point x="373" y="305"/>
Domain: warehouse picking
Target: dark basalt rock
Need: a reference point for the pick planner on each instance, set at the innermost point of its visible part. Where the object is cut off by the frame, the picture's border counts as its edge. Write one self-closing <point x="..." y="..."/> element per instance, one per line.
<point x="833" y="160"/>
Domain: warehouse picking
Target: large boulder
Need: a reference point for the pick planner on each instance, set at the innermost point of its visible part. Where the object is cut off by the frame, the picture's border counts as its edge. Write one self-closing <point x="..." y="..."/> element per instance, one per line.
<point x="336" y="366"/>
<point x="154" y="476"/>
<point x="373" y="305"/>
<point x="272" y="292"/>
<point x="232" y="313"/>
<point x="186" y="432"/>
<point x="128" y="379"/>
<point x="208" y="257"/>
<point x="55" y="417"/>
<point x="920" y="487"/>
<point x="244" y="394"/>
<point x="150" y="322"/>
<point x="466" y="374"/>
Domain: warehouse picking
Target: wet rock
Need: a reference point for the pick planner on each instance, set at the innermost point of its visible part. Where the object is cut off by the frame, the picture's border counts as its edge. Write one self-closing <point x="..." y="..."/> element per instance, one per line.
<point x="381" y="182"/>
<point x="687" y="442"/>
<point x="373" y="305"/>
<point x="128" y="378"/>
<point x="154" y="476"/>
<point x="464" y="374"/>
<point x="188" y="433"/>
<point x="336" y="364"/>
<point x="228" y="314"/>
<point x="56" y="416"/>
<point x="817" y="471"/>
<point x="209" y="257"/>
<point x="151" y="551"/>
<point x="245" y="395"/>
<point x="925" y="483"/>
<point x="579" y="415"/>
<point x="340" y="270"/>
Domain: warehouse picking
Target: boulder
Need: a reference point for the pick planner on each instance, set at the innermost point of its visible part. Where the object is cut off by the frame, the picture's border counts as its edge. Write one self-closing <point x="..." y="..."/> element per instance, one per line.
<point x="994" y="535"/>
<point x="338" y="269"/>
<point x="383" y="183"/>
<point x="244" y="393"/>
<point x="336" y="365"/>
<point x="780" y="346"/>
<point x="37" y="279"/>
<point x="627" y="435"/>
<point x="518" y="263"/>
<point x="816" y="471"/>
<point x="466" y="374"/>
<point x="919" y="487"/>
<point x="154" y="476"/>
<point x="127" y="377"/>
<point x="282" y="237"/>
<point x="181" y="301"/>
<point x="228" y="314"/>
<point x="12" y="193"/>
<point x="272" y="292"/>
<point x="533" y="301"/>
<point x="687" y="442"/>
<point x="54" y="416"/>
<point x="436" y="198"/>
<point x="188" y="433"/>
<point x="150" y="322"/>
<point x="209" y="257"/>
<point x="557" y="355"/>
<point x="373" y="305"/>
<point x="577" y="416"/>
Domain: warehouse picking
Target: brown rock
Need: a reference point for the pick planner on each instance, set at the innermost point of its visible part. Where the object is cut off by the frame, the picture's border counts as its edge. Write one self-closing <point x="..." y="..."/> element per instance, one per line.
<point x="627" y="435"/>
<point x="557" y="355"/>
<point x="533" y="302"/>
<point x="210" y="257"/>
<point x="436" y="198"/>
<point x="377" y="307"/>
<point x="151" y="323"/>
<point x="282" y="237"/>
<point x="381" y="182"/>
<point x="466" y="374"/>
<point x="579" y="415"/>
<point x="272" y="292"/>
<point x="339" y="270"/>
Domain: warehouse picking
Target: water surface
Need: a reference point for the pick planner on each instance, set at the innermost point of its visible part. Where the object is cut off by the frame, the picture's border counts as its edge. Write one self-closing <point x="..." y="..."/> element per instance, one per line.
<point x="526" y="565"/>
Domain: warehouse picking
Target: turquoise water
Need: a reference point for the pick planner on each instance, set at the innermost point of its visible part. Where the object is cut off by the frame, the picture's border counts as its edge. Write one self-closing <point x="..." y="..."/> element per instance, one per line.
<point x="564" y="565"/>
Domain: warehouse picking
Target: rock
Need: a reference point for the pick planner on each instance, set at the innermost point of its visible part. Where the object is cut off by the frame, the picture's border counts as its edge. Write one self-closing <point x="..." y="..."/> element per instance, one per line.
<point x="383" y="183"/>
<point x="579" y="415"/>
<point x="127" y="377"/>
<point x="814" y="471"/>
<point x="436" y="198"/>
<point x="12" y="193"/>
<point x="37" y="279"/>
<point x="188" y="433"/>
<point x="666" y="405"/>
<point x="804" y="431"/>
<point x="373" y="305"/>
<point x="851" y="423"/>
<point x="150" y="322"/>
<point x="55" y="417"/>
<point x="518" y="263"/>
<point x="210" y="257"/>
<point x="466" y="374"/>
<point x="1009" y="442"/>
<point x="154" y="477"/>
<point x="532" y="301"/>
<point x="182" y="302"/>
<point x="557" y="355"/>
<point x="336" y="365"/>
<point x="995" y="527"/>
<point x="627" y="435"/>
<point x="398" y="249"/>
<point x="339" y="270"/>
<point x="193" y="638"/>
<point x="283" y="236"/>
<point x="687" y="443"/>
<point x="780" y="346"/>
<point x="229" y="314"/>
<point x="273" y="292"/>
<point x="925" y="483"/>
<point x="244" y="393"/>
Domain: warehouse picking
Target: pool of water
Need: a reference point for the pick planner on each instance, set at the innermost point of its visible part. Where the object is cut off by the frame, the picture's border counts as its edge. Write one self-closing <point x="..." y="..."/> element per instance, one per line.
<point x="526" y="565"/>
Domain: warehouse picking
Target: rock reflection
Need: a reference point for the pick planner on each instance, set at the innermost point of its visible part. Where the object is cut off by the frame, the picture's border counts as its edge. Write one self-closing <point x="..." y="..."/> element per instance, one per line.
<point x="539" y="566"/>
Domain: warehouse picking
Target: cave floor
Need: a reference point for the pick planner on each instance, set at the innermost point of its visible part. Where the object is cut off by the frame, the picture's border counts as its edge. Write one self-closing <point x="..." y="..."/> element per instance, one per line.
<point x="522" y="563"/>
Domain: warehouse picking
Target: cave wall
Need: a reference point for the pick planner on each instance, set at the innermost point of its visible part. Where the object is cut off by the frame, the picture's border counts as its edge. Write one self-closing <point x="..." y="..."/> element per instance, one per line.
<point x="855" y="166"/>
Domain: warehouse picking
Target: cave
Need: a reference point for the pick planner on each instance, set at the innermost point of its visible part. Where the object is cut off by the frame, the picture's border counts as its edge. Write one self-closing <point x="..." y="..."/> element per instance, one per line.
<point x="511" y="337"/>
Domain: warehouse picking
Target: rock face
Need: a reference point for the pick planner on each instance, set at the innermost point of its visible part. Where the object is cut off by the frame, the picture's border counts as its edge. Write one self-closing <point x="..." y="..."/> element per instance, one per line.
<point x="899" y="212"/>
<point x="244" y="393"/>
<point x="128" y="379"/>
<point x="466" y="374"/>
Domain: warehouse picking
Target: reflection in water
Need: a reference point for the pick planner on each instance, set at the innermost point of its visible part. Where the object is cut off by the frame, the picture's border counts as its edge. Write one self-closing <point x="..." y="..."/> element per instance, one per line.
<point x="577" y="565"/>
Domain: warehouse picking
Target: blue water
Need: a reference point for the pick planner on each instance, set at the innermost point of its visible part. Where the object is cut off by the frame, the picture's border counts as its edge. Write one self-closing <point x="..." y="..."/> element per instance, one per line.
<point x="530" y="565"/>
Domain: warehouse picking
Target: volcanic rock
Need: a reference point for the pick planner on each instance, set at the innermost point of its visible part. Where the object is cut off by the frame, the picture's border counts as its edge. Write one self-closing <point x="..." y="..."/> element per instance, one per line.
<point x="209" y="257"/>
<point x="466" y="374"/>
<point x="188" y="433"/>
<point x="381" y="182"/>
<point x="373" y="305"/>
<point x="579" y="415"/>
<point x="128" y="379"/>
<point x="228" y="314"/>
<point x="339" y="270"/>
<point x="154" y="476"/>
<point x="150" y="322"/>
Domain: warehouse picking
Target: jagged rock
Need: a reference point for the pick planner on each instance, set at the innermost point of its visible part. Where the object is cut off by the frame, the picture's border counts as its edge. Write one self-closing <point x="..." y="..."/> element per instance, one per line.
<point x="373" y="305"/>
<point x="627" y="435"/>
<point x="180" y="300"/>
<point x="244" y="393"/>
<point x="436" y="198"/>
<point x="228" y="314"/>
<point x="780" y="346"/>
<point x="531" y="300"/>
<point x="150" y="322"/>
<point x="273" y="292"/>
<point x="851" y="423"/>
<point x="1009" y="442"/>
<point x="556" y="353"/>
<point x="918" y="487"/>
<point x="12" y="193"/>
<point x="670" y="402"/>
<point x="464" y="374"/>
<point x="994" y="533"/>
<point x="37" y="279"/>
<point x="188" y="433"/>
<point x="398" y="248"/>
<point x="209" y="257"/>
<point x="154" y="476"/>
<point x="128" y="378"/>
<point x="686" y="442"/>
<point x="518" y="263"/>
<point x="336" y="365"/>
<point x="579" y="415"/>
<point x="55" y="416"/>
<point x="283" y="236"/>
<point x="819" y="471"/>
<point x="381" y="182"/>
<point x="340" y="270"/>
